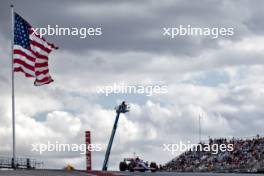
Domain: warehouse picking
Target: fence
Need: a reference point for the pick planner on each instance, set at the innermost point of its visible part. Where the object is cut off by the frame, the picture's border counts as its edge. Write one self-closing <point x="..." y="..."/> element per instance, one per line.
<point x="20" y="163"/>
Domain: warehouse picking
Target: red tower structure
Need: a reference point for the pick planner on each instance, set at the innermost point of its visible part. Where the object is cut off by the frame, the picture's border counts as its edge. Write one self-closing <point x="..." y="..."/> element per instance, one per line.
<point x="88" y="152"/>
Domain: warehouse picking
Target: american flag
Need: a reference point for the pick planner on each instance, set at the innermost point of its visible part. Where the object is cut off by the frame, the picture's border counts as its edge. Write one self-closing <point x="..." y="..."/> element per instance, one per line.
<point x="30" y="52"/>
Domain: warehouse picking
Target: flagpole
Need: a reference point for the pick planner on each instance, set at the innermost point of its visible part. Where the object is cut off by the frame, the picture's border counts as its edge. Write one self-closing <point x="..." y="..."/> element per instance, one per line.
<point x="13" y="88"/>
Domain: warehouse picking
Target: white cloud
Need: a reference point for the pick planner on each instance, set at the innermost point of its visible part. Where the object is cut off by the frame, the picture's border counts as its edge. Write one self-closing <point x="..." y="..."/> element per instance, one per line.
<point x="230" y="106"/>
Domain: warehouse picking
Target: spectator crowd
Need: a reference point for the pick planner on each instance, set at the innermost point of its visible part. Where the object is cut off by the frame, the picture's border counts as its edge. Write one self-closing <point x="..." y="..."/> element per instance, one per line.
<point x="247" y="156"/>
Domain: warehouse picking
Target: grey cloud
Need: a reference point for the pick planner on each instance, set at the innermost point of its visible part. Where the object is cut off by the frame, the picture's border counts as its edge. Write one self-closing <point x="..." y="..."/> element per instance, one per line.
<point x="131" y="28"/>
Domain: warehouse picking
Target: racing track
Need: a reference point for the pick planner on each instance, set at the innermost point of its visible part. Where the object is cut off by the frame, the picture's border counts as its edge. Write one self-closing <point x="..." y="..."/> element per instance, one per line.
<point x="113" y="173"/>
<point x="185" y="174"/>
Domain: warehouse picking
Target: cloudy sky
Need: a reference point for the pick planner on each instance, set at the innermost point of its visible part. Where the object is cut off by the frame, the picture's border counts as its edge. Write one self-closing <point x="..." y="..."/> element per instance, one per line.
<point x="221" y="79"/>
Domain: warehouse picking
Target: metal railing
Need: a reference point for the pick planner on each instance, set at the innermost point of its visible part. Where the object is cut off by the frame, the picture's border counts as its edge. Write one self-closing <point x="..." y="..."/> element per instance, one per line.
<point x="19" y="163"/>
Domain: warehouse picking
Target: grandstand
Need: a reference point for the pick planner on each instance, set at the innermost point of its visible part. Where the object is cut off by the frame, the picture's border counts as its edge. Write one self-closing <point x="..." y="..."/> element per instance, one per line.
<point x="247" y="156"/>
<point x="21" y="163"/>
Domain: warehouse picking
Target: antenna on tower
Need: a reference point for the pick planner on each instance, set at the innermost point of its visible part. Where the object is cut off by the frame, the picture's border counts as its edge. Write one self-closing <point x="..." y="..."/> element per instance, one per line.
<point x="200" y="130"/>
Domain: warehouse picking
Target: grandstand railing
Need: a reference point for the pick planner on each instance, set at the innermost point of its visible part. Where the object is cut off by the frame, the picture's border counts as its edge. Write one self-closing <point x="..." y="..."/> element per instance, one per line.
<point x="20" y="163"/>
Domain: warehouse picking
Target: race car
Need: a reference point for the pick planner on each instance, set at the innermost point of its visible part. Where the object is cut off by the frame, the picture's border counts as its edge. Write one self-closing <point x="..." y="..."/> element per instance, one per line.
<point x="136" y="164"/>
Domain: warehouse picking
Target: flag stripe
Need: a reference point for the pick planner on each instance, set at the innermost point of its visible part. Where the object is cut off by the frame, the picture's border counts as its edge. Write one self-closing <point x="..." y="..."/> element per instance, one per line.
<point x="45" y="64"/>
<point x="44" y="40"/>
<point x="19" y="69"/>
<point x="42" y="72"/>
<point x="38" y="55"/>
<point x="25" y="59"/>
<point x="26" y="51"/>
<point x="22" y="53"/>
<point x="42" y="76"/>
<point x="18" y="61"/>
<point x="38" y="50"/>
<point x="40" y="46"/>
<point x="41" y="41"/>
<point x="46" y="80"/>
<point x="41" y="69"/>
